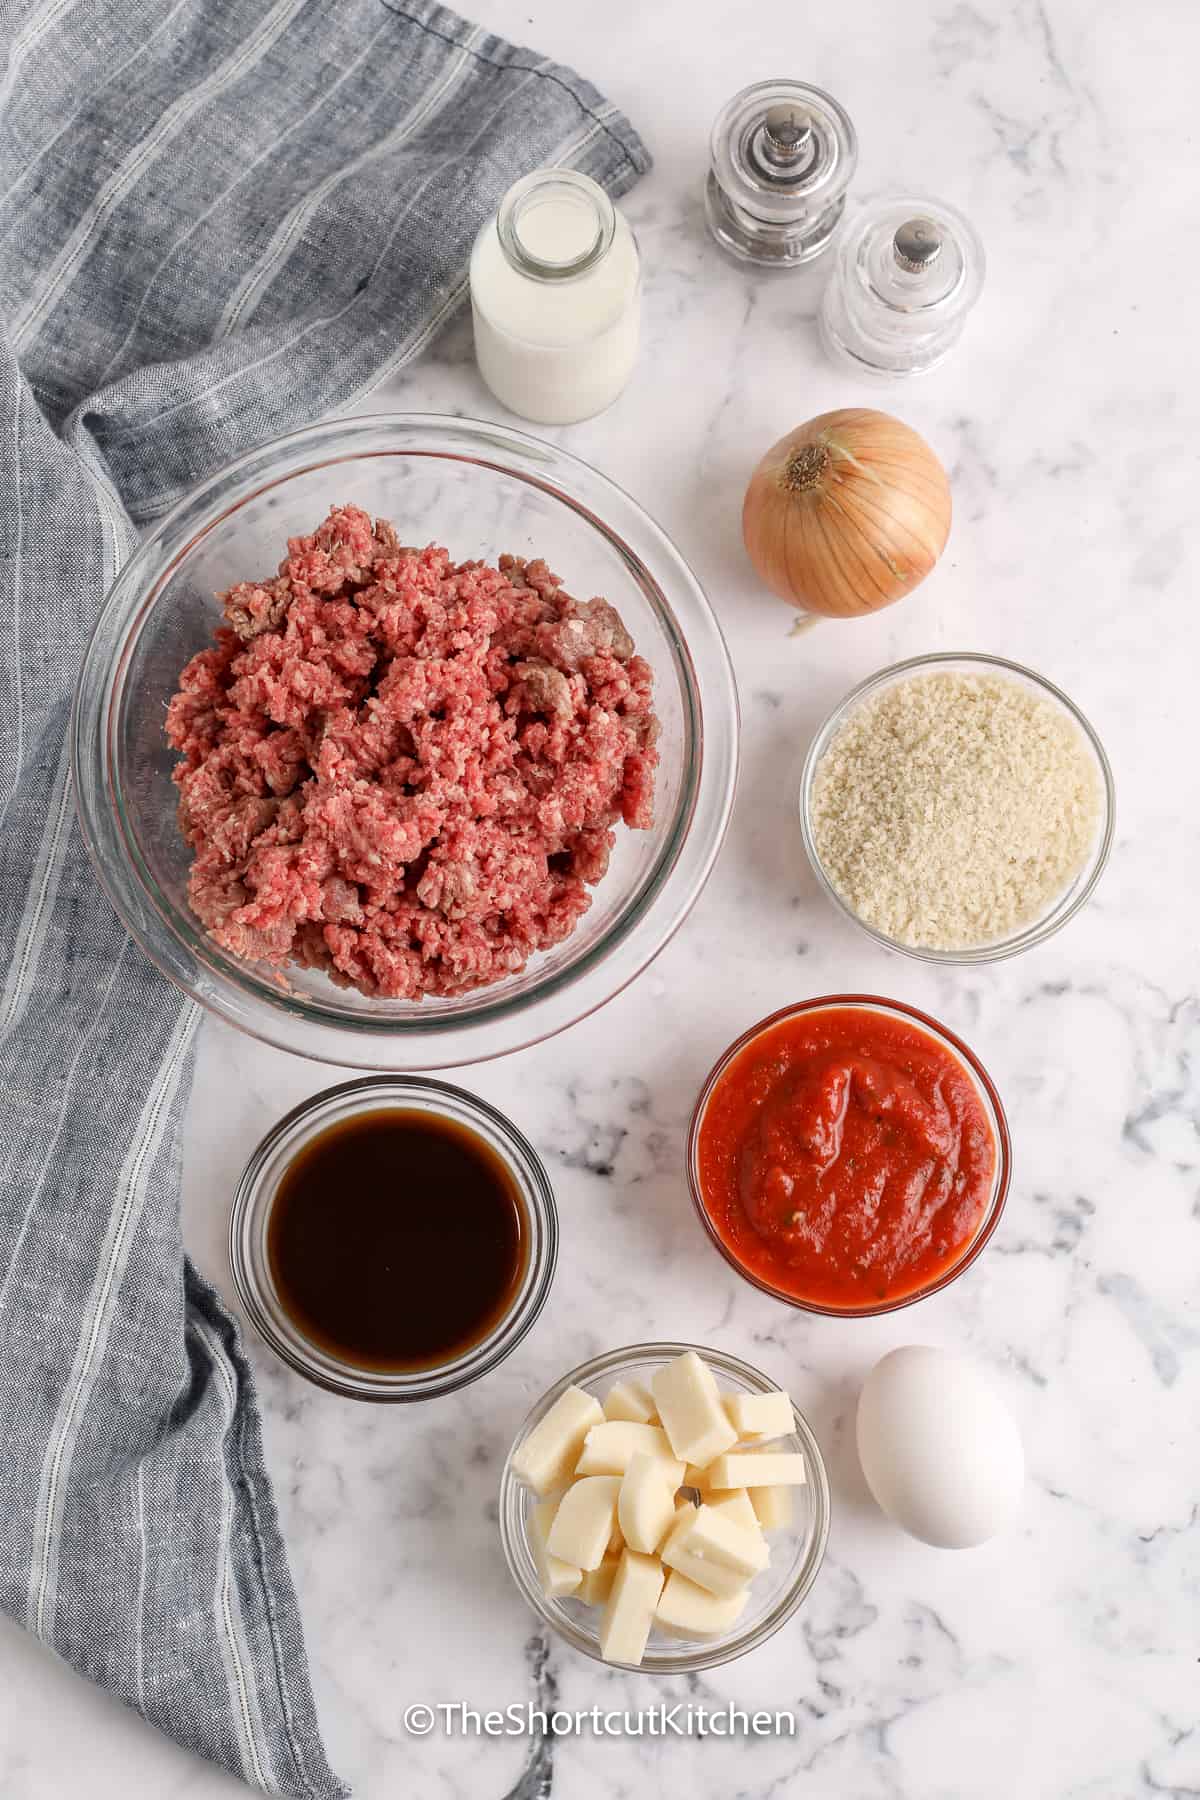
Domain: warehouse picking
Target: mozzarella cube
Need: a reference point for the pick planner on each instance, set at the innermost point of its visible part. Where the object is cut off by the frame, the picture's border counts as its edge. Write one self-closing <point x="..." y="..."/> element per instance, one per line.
<point x="772" y="1506"/>
<point x="629" y="1612"/>
<point x="685" y="1512"/>
<point x="714" y="1535"/>
<point x="610" y="1446"/>
<point x="689" y="1405"/>
<point x="631" y="1400"/>
<point x="646" y="1503"/>
<point x="583" y="1523"/>
<point x="595" y="1584"/>
<point x="736" y="1505"/>
<point x="760" y="1415"/>
<point x="689" y="1611"/>
<point x="758" y="1468"/>
<point x="715" y="1578"/>
<point x="557" y="1577"/>
<point x="547" y="1457"/>
<point x="715" y="1552"/>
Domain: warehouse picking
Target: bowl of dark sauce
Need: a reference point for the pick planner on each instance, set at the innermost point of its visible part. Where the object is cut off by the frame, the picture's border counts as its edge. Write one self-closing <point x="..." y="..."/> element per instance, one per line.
<point x="393" y="1239"/>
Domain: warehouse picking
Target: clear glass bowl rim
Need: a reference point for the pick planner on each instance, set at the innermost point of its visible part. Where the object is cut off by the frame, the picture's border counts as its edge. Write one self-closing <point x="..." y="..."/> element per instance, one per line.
<point x="317" y="1114"/>
<point x="690" y="1658"/>
<point x="949" y="1041"/>
<point x="1064" y="908"/>
<point x="637" y="933"/>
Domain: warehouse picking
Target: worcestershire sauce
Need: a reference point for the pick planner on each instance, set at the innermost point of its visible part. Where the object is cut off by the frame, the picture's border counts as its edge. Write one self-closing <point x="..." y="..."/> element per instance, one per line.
<point x="397" y="1240"/>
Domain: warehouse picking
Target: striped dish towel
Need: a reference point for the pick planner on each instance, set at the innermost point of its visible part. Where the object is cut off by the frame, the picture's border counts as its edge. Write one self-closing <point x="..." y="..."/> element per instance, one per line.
<point x="217" y="222"/>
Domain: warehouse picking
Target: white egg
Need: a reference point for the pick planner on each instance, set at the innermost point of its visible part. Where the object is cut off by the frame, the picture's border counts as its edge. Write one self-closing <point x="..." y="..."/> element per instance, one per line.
<point x="939" y="1448"/>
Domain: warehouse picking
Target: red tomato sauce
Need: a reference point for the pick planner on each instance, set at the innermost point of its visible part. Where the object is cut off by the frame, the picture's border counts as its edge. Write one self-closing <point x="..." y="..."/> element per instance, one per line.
<point x="845" y="1157"/>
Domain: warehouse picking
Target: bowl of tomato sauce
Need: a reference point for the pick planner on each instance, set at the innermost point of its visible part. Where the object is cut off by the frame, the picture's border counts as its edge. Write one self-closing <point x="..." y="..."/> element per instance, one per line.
<point x="849" y="1155"/>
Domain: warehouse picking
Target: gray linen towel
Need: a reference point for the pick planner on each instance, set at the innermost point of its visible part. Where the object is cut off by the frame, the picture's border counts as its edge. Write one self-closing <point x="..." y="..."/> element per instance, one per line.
<point x="216" y="222"/>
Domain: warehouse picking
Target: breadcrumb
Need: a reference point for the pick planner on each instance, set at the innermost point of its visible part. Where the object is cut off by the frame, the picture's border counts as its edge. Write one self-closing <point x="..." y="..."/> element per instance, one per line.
<point x="952" y="810"/>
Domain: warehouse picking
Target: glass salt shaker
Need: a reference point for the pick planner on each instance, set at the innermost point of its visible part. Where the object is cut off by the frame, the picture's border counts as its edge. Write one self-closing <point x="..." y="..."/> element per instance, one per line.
<point x="556" y="298"/>
<point x="783" y="155"/>
<point x="906" y="273"/>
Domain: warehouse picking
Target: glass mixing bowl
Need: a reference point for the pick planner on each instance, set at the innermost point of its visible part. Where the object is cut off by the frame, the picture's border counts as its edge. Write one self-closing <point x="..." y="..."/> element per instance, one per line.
<point x="481" y="490"/>
<point x="796" y="1552"/>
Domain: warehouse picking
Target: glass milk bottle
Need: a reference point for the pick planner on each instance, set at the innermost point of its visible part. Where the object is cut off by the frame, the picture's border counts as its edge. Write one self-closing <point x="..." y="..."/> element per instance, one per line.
<point x="556" y="298"/>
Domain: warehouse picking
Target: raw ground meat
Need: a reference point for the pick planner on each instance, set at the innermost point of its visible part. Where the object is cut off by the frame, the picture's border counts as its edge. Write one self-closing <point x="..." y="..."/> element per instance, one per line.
<point x="403" y="770"/>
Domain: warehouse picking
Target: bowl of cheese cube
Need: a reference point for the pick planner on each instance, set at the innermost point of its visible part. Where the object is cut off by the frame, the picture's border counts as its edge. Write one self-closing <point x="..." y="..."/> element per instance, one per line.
<point x="665" y="1508"/>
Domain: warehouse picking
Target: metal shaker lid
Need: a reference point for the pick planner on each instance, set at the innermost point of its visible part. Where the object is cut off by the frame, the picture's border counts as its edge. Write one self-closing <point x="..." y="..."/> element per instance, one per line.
<point x="917" y="244"/>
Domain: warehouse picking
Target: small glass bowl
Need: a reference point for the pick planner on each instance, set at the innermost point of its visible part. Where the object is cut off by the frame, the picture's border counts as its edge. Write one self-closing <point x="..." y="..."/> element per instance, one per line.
<point x="984" y="1087"/>
<point x="1067" y="904"/>
<point x="775" y="1595"/>
<point x="252" y="1212"/>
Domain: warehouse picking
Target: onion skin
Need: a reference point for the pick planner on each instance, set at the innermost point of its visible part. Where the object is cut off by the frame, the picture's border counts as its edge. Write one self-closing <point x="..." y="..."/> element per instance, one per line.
<point x="847" y="513"/>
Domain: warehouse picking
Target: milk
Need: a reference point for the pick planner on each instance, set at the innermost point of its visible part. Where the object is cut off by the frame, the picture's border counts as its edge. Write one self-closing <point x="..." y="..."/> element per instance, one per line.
<point x="555" y="295"/>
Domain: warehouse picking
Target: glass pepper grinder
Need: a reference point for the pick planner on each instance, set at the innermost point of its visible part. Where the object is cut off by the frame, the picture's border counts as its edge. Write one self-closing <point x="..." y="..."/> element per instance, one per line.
<point x="783" y="155"/>
<point x="906" y="272"/>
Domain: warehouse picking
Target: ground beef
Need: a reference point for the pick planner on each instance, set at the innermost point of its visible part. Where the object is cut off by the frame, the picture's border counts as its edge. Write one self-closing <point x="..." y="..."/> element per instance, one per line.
<point x="406" y="771"/>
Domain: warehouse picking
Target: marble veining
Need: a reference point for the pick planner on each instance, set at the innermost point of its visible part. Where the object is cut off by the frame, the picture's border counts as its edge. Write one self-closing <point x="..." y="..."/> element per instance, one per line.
<point x="1057" y="1663"/>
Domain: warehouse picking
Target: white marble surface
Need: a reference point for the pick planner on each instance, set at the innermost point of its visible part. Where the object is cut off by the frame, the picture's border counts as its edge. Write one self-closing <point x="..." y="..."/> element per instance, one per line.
<point x="1059" y="1663"/>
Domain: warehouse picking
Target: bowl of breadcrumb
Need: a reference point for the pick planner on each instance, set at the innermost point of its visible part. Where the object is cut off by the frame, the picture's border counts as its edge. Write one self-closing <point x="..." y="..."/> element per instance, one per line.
<point x="959" y="808"/>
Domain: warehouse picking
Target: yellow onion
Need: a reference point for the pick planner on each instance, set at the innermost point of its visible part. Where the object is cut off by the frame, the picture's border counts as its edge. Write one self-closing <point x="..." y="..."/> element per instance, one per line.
<point x="847" y="513"/>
